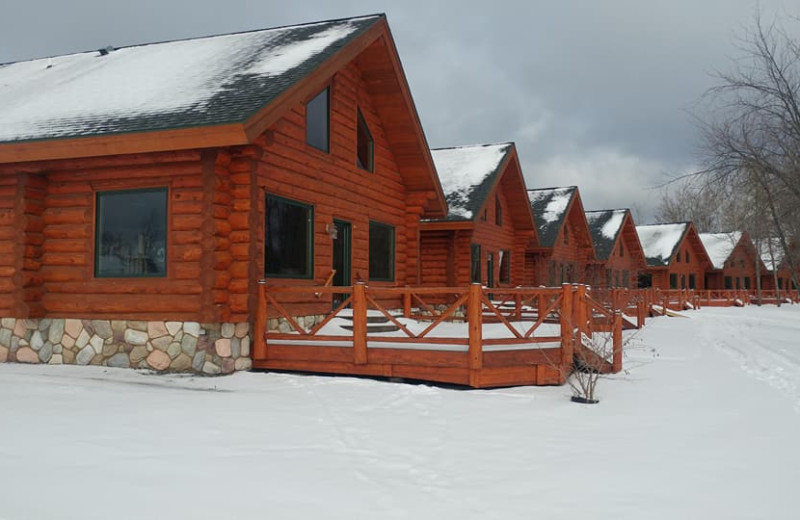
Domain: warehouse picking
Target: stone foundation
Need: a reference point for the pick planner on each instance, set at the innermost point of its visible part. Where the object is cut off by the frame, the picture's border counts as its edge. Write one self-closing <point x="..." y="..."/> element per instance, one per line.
<point x="174" y="346"/>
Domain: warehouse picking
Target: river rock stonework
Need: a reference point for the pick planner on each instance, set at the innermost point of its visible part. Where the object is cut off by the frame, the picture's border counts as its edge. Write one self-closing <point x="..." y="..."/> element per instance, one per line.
<point x="172" y="346"/>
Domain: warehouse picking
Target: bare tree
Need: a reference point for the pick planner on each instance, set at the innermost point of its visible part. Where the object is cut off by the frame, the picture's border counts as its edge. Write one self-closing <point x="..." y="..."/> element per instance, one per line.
<point x="752" y="141"/>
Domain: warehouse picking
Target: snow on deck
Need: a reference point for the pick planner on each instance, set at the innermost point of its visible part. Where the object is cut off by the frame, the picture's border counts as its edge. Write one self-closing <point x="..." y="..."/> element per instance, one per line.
<point x="462" y="169"/>
<point x="660" y="240"/>
<point x="702" y="424"/>
<point x="719" y="246"/>
<point x="72" y="94"/>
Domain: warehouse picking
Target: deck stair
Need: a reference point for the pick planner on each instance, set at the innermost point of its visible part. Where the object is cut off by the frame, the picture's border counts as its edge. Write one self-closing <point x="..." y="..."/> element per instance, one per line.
<point x="375" y="322"/>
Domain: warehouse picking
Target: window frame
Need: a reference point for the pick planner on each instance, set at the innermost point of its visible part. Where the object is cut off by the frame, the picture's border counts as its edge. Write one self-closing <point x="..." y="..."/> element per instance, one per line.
<point x="361" y="123"/>
<point x="327" y="92"/>
<point x="392" y="252"/>
<point x="505" y="256"/>
<point x="475" y="254"/>
<point x="97" y="230"/>
<point x="309" y="275"/>
<point x="498" y="211"/>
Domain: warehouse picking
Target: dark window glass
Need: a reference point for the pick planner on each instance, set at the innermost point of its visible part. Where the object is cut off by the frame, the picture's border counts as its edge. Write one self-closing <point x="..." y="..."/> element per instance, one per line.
<point x="608" y="277"/>
<point x="318" y="121"/>
<point x="673" y="281"/>
<point x="686" y="256"/>
<point x="728" y="282"/>
<point x="498" y="211"/>
<point x="365" y="147"/>
<point x="566" y="235"/>
<point x="381" y="252"/>
<point x="683" y="281"/>
<point x="746" y="282"/>
<point x="552" y="273"/>
<point x="738" y="283"/>
<point x="131" y="233"/>
<point x="679" y="257"/>
<point x="289" y="238"/>
<point x="691" y="282"/>
<point x="780" y="283"/>
<point x="621" y="249"/>
<point x="475" y="263"/>
<point x="505" y="266"/>
<point x="626" y="279"/>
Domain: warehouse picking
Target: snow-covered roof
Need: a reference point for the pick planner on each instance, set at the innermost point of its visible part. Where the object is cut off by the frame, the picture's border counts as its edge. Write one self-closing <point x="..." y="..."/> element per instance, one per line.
<point x="719" y="246"/>
<point x="185" y="83"/>
<point x="659" y="241"/>
<point x="771" y="261"/>
<point x="549" y="207"/>
<point x="605" y="226"/>
<point x="467" y="174"/>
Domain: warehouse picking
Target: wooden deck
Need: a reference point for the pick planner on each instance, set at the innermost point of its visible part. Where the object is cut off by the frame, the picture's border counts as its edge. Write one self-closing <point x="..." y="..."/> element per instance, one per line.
<point x="471" y="336"/>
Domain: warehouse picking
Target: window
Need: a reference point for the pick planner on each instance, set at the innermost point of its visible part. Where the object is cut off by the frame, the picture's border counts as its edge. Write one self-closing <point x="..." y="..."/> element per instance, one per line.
<point x="131" y="233"/>
<point x="552" y="273"/>
<point x="678" y="259"/>
<point x="621" y="249"/>
<point x="475" y="263"/>
<point x="498" y="211"/>
<point x="288" y="244"/>
<point x="738" y="283"/>
<point x="505" y="266"/>
<point x="683" y="281"/>
<point x="686" y="256"/>
<point x="616" y="278"/>
<point x="692" y="282"/>
<point x="728" y="282"/>
<point x="485" y="215"/>
<point x="566" y="235"/>
<point x="608" y="277"/>
<point x="626" y="279"/>
<point x="780" y="283"/>
<point x="747" y="282"/>
<point x="365" y="146"/>
<point x="318" y="121"/>
<point x="381" y="252"/>
<point x="673" y="281"/>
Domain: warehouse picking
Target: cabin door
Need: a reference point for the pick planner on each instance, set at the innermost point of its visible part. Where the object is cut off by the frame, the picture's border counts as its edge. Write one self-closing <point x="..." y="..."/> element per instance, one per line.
<point x="341" y="258"/>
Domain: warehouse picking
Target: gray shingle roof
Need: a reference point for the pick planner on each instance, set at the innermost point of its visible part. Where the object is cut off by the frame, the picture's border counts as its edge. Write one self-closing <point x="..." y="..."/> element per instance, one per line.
<point x="467" y="175"/>
<point x="549" y="210"/>
<point x="660" y="241"/>
<point x="185" y="83"/>
<point x="605" y="226"/>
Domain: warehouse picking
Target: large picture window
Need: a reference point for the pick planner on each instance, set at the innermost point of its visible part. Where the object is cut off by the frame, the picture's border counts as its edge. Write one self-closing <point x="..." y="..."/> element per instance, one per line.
<point x="365" y="147"/>
<point x="381" y="252"/>
<point x="318" y="121"/>
<point x="131" y="233"/>
<point x="289" y="238"/>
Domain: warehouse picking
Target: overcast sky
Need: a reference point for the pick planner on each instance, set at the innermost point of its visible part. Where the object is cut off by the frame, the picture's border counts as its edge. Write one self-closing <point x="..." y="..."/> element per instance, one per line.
<point x="595" y="93"/>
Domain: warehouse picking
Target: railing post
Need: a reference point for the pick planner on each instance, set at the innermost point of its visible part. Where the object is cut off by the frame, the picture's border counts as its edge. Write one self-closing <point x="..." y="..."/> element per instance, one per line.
<point x="260" y="326"/>
<point x="407" y="303"/>
<point x="567" y="328"/>
<point x="616" y="360"/>
<point x="359" y="324"/>
<point x="518" y="305"/>
<point x="475" y="324"/>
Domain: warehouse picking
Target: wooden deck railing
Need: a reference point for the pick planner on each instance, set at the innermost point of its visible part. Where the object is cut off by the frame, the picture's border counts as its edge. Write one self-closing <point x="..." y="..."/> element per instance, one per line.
<point x="516" y="318"/>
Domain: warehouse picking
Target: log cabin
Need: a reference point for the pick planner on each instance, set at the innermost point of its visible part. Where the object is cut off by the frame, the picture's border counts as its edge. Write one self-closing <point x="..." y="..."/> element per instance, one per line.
<point x="489" y="221"/>
<point x="776" y="275"/>
<point x="145" y="190"/>
<point x="676" y="258"/>
<point x="565" y="247"/>
<point x="619" y="254"/>
<point x="735" y="263"/>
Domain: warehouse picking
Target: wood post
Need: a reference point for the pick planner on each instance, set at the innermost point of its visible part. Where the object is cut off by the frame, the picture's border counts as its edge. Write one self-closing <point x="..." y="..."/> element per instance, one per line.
<point x="260" y="327"/>
<point x="407" y="303"/>
<point x="567" y="328"/>
<point x="475" y="323"/>
<point x="359" y="324"/>
<point x="616" y="363"/>
<point x="518" y="306"/>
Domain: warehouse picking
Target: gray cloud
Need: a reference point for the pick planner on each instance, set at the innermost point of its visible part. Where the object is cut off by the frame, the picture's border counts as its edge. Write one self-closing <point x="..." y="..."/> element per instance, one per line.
<point x="594" y="93"/>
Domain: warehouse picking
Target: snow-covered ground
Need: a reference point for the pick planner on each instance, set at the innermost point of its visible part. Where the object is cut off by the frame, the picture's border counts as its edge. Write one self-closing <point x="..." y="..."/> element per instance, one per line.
<point x="705" y="424"/>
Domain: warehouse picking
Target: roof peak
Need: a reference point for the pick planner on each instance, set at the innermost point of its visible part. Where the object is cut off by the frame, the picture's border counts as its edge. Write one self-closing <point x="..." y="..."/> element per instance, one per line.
<point x="476" y="145"/>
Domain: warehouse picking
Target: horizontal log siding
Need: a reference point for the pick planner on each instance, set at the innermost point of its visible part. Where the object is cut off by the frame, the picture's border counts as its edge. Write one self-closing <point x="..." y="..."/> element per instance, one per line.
<point x="336" y="187"/>
<point x="576" y="251"/>
<point x="65" y="277"/>
<point x="9" y="240"/>
<point x="493" y="238"/>
<point x="437" y="257"/>
<point x="682" y="268"/>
